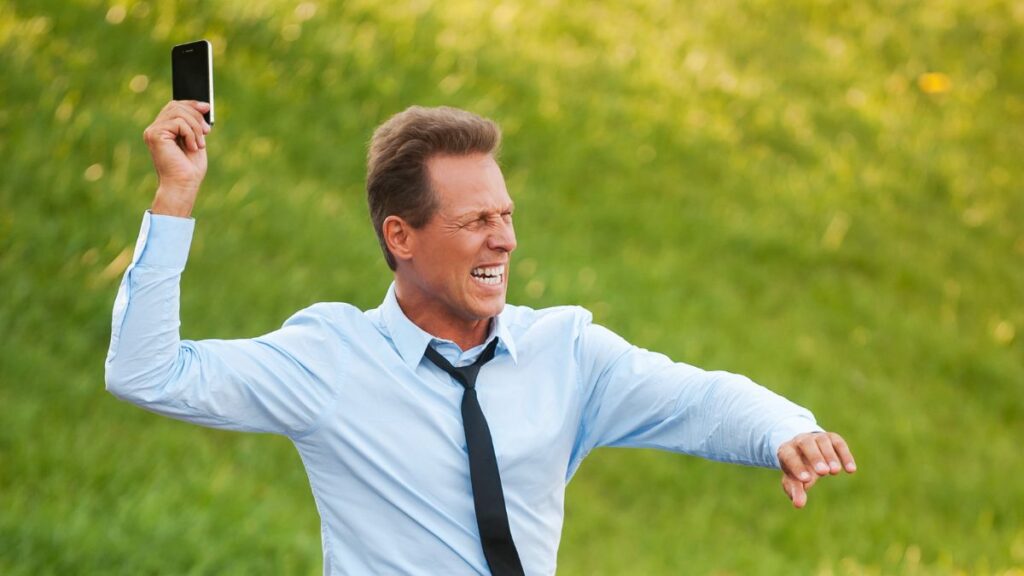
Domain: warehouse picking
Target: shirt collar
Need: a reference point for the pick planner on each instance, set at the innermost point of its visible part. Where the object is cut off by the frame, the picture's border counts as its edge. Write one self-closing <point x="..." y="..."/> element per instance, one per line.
<point x="411" y="340"/>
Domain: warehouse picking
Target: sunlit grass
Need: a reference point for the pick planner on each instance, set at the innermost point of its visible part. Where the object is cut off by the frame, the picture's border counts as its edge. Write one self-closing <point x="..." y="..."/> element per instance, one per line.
<point x="824" y="196"/>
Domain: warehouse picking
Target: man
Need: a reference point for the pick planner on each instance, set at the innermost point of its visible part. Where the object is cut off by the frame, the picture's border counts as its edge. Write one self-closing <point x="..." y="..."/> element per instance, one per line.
<point x="440" y="429"/>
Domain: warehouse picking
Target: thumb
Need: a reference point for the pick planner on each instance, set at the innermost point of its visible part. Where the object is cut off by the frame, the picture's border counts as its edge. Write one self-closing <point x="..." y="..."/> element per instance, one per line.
<point x="795" y="490"/>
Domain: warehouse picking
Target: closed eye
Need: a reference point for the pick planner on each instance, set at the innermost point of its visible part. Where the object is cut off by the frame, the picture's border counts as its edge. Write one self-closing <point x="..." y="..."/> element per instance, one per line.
<point x="488" y="219"/>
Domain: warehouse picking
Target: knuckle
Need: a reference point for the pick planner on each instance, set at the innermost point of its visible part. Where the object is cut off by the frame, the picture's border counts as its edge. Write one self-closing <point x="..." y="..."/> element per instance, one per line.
<point x="825" y="444"/>
<point x="787" y="452"/>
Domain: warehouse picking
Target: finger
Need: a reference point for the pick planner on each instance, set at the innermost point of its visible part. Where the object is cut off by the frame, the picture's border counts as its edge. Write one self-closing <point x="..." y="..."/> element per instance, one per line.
<point x="180" y="108"/>
<point x="829" y="453"/>
<point x="202" y="107"/>
<point x="198" y="108"/>
<point x="795" y="490"/>
<point x="199" y="105"/>
<point x="808" y="446"/>
<point x="792" y="462"/>
<point x="843" y="450"/>
<point x="185" y="133"/>
<point x="196" y="121"/>
<point x="165" y="129"/>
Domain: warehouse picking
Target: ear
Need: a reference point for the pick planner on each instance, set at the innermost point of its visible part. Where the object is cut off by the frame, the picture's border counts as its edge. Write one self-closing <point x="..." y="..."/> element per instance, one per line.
<point x="398" y="235"/>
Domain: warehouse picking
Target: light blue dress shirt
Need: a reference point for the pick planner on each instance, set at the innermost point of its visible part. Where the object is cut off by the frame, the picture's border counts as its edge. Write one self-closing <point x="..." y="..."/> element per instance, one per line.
<point x="379" y="429"/>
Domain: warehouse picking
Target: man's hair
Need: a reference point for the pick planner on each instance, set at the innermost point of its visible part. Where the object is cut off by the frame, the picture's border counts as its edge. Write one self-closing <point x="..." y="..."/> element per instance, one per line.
<point x="397" y="181"/>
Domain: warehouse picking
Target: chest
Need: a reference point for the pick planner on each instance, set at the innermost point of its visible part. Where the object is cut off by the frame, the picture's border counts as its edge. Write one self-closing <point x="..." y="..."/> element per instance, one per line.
<point x="406" y="424"/>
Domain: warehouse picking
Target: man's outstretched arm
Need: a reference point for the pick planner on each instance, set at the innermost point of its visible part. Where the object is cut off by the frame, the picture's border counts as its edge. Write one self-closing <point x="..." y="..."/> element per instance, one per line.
<point x="639" y="398"/>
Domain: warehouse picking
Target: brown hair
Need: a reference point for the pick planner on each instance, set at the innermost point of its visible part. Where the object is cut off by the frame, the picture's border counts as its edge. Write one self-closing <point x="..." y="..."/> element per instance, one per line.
<point x="397" y="182"/>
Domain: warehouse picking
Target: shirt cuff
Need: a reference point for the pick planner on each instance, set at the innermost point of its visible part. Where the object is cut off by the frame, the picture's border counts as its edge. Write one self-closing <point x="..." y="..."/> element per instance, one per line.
<point x="787" y="429"/>
<point x="164" y="241"/>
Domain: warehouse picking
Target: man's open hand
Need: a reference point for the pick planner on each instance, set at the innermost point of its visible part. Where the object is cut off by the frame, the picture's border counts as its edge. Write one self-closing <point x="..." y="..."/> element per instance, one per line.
<point x="809" y="456"/>
<point x="177" y="143"/>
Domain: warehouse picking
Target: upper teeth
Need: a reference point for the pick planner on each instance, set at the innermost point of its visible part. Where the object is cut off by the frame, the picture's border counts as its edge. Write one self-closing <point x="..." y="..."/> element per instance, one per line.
<point x="489" y="271"/>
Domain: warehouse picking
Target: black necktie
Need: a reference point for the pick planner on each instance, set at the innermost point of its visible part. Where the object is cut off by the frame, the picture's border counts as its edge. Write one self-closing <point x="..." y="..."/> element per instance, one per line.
<point x="488" y="498"/>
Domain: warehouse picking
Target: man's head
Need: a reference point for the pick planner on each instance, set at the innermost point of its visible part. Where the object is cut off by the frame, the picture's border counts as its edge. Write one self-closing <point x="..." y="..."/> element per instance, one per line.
<point x="440" y="209"/>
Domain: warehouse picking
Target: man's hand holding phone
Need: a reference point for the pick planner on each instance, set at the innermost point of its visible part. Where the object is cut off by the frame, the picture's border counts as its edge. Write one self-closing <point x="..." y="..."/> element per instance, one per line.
<point x="177" y="138"/>
<point x="177" y="143"/>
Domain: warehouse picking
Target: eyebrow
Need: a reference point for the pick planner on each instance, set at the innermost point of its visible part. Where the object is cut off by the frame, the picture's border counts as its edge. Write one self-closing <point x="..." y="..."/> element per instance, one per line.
<point x="510" y="207"/>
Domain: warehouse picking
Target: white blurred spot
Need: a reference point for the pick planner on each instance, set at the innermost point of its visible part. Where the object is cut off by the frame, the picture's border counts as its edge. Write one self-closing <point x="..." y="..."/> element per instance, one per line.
<point x="305" y="11"/>
<point x="116" y="14"/>
<point x="836" y="231"/>
<point x="535" y="288"/>
<point x="856" y="97"/>
<point x="64" y="110"/>
<point x="451" y="84"/>
<point x="504" y="15"/>
<point x="695" y="61"/>
<point x="139" y="83"/>
<point x="527" y="267"/>
<point x="975" y="216"/>
<point x="94" y="172"/>
<point x="1003" y="332"/>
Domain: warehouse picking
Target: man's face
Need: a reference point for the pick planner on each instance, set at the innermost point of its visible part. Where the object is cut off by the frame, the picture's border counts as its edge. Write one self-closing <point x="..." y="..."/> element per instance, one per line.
<point x="461" y="256"/>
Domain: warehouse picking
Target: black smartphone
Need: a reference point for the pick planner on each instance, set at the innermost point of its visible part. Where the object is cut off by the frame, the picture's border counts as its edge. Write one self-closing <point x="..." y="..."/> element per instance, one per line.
<point x="192" y="73"/>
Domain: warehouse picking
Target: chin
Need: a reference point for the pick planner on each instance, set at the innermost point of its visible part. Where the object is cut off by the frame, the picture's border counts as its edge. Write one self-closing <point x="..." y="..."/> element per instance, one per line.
<point x="490" y="308"/>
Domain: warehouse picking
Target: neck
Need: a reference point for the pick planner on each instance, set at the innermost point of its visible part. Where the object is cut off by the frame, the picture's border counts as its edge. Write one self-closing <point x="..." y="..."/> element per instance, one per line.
<point x="435" y="319"/>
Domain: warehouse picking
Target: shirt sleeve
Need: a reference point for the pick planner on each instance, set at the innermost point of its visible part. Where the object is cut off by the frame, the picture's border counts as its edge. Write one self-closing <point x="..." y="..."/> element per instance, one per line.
<point x="638" y="398"/>
<point x="265" y="384"/>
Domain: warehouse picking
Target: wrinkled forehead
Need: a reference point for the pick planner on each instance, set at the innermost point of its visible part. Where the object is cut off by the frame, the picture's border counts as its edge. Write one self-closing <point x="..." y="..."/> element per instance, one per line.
<point x="468" y="184"/>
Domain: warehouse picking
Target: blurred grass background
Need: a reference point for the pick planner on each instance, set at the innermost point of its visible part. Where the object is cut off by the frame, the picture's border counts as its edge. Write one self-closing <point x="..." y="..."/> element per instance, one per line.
<point x="825" y="196"/>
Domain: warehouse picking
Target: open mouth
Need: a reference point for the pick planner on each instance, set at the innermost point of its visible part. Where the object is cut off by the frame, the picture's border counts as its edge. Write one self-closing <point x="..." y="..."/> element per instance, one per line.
<point x="489" y="275"/>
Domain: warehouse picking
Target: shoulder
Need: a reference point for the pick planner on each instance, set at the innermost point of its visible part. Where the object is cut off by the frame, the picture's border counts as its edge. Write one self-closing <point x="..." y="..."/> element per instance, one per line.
<point x="523" y="319"/>
<point x="328" y="315"/>
<point x="325" y="330"/>
<point x="570" y="325"/>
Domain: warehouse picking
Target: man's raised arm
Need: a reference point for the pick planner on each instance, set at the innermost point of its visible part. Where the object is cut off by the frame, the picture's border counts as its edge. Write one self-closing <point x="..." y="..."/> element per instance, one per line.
<point x="275" y="383"/>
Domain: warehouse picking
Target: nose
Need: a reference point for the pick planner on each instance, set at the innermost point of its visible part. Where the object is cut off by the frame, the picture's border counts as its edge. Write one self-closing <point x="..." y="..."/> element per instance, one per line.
<point x="503" y="239"/>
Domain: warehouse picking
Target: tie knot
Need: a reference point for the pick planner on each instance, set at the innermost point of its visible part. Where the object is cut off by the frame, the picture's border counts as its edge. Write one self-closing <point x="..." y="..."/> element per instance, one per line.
<point x="466" y="375"/>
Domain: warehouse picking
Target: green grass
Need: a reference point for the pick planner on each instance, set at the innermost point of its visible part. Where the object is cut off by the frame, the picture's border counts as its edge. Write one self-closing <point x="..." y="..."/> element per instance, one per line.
<point x="774" y="189"/>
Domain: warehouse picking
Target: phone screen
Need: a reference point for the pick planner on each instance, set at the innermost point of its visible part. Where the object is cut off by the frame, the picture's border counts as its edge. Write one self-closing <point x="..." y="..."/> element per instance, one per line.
<point x="192" y="73"/>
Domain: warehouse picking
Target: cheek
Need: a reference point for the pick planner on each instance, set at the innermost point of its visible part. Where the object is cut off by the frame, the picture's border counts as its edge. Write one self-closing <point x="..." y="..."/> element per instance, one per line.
<point x="449" y="260"/>
<point x="463" y="252"/>
<point x="432" y="268"/>
<point x="452" y="258"/>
